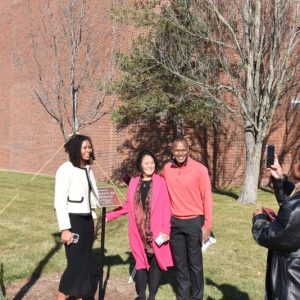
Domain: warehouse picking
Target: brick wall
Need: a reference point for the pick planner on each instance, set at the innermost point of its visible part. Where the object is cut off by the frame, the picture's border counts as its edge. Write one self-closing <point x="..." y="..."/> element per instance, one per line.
<point x="30" y="138"/>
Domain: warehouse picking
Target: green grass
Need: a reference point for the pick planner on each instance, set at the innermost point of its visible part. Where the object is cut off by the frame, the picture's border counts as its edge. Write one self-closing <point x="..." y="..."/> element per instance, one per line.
<point x="29" y="244"/>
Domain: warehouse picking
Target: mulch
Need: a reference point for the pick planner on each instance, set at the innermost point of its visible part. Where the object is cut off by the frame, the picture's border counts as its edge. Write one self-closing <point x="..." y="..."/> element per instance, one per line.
<point x="45" y="288"/>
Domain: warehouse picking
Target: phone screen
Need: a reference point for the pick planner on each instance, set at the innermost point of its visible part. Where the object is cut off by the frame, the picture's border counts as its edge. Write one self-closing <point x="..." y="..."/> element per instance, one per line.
<point x="270" y="152"/>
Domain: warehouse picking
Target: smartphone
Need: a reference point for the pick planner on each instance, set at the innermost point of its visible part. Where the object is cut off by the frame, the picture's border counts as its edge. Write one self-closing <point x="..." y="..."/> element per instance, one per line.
<point x="126" y="178"/>
<point x="75" y="238"/>
<point x="270" y="152"/>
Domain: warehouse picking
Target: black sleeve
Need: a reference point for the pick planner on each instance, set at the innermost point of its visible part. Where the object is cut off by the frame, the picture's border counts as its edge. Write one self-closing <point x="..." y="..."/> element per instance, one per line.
<point x="259" y="227"/>
<point x="282" y="235"/>
<point x="282" y="188"/>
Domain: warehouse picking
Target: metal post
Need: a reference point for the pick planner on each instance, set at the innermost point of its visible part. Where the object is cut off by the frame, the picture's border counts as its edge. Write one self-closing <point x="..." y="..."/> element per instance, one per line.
<point x="2" y="287"/>
<point x="101" y="292"/>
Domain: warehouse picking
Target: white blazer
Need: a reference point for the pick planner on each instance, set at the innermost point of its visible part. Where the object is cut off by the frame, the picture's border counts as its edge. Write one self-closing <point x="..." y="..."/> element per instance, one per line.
<point x="72" y="193"/>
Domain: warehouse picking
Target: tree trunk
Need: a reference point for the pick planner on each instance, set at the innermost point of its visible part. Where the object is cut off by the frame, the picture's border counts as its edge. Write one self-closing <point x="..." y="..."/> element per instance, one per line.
<point x="215" y="156"/>
<point x="179" y="128"/>
<point x="253" y="157"/>
<point x="2" y="287"/>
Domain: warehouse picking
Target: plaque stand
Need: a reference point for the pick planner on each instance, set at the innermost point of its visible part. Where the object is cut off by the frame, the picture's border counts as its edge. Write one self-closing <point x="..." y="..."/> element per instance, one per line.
<point x="102" y="247"/>
<point x="107" y="197"/>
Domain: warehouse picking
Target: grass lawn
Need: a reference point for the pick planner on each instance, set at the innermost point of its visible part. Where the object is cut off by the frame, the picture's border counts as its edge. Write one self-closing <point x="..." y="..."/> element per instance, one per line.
<point x="29" y="244"/>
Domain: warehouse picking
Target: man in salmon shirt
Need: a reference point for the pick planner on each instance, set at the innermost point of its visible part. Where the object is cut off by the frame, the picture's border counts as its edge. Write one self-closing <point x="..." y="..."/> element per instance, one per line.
<point x="191" y="203"/>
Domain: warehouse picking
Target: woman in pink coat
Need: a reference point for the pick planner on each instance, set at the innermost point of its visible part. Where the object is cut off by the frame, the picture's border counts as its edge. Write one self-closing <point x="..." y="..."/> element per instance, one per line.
<point x="148" y="207"/>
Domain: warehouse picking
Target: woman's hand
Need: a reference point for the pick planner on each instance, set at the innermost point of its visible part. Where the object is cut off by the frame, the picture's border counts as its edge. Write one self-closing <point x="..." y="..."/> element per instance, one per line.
<point x="275" y="169"/>
<point x="67" y="236"/>
<point x="165" y="236"/>
<point x="257" y="212"/>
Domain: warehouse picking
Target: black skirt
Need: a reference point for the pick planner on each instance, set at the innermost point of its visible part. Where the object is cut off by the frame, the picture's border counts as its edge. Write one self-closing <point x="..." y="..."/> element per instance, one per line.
<point x="76" y="280"/>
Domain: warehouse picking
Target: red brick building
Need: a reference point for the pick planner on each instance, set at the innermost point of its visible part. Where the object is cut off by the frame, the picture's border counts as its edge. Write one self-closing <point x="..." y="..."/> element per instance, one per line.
<point x="31" y="140"/>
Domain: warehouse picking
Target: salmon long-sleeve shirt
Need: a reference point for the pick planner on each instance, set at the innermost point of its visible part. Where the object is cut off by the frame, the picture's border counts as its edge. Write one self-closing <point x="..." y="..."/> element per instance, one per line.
<point x="190" y="190"/>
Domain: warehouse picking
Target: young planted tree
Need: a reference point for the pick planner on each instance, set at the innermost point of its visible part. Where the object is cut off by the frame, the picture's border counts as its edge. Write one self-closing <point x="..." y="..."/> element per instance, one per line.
<point x="256" y="44"/>
<point x="74" y="62"/>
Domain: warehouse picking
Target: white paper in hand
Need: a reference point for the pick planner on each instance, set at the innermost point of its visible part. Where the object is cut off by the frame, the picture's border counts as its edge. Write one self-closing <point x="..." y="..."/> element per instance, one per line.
<point x="208" y="243"/>
<point x="159" y="240"/>
<point x="130" y="279"/>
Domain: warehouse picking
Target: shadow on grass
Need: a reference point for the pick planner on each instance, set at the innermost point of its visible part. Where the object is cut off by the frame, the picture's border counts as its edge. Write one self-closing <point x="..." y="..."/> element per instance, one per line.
<point x="229" y="291"/>
<point x="109" y="261"/>
<point x="226" y="193"/>
<point x="2" y="287"/>
<point x="38" y="270"/>
<point x="169" y="277"/>
<point x="267" y="189"/>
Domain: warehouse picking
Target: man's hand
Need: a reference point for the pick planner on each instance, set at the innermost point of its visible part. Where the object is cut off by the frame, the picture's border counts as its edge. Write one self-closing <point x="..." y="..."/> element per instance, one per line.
<point x="205" y="234"/>
<point x="67" y="236"/>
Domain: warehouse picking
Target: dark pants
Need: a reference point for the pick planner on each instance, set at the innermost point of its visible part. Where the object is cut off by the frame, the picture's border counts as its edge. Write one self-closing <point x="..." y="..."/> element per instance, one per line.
<point x="186" y="242"/>
<point x="76" y="280"/>
<point x="154" y="279"/>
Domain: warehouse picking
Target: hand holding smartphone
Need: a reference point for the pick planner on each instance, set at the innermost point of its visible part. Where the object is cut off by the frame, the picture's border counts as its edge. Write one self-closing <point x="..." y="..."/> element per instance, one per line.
<point x="75" y="238"/>
<point x="270" y="155"/>
<point x="269" y="213"/>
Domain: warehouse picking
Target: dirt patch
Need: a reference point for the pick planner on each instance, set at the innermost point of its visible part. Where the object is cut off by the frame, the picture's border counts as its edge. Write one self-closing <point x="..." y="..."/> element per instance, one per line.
<point x="45" y="288"/>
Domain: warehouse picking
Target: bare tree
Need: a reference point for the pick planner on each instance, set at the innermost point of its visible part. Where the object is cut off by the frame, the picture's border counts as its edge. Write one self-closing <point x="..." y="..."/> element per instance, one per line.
<point x="255" y="44"/>
<point x="74" y="62"/>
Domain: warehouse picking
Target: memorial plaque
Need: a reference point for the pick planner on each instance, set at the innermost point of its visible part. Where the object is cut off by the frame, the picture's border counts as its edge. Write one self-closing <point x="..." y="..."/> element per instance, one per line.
<point x="108" y="197"/>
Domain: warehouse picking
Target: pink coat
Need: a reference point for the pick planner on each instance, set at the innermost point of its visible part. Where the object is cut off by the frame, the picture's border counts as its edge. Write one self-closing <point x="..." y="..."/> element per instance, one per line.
<point x="160" y="222"/>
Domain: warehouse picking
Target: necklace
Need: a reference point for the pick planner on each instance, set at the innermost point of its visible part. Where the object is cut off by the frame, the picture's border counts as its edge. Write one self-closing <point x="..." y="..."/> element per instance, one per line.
<point x="145" y="183"/>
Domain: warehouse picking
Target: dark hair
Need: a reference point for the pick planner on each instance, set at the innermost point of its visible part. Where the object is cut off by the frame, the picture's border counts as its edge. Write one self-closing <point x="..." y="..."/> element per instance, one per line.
<point x="73" y="148"/>
<point x="296" y="169"/>
<point x="180" y="140"/>
<point x="140" y="157"/>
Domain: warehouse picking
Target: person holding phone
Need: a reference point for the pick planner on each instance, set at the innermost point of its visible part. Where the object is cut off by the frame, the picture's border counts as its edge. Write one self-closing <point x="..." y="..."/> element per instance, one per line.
<point x="75" y="202"/>
<point x="148" y="207"/>
<point x="281" y="235"/>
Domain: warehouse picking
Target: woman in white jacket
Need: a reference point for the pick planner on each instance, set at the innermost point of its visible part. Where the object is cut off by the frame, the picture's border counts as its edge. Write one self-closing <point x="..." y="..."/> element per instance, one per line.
<point x="75" y="202"/>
